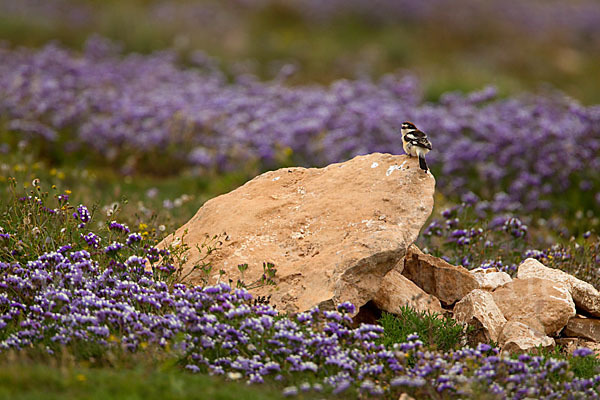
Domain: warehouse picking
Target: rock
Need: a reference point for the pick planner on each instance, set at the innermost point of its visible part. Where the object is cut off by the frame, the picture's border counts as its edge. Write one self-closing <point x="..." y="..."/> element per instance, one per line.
<point x="516" y="337"/>
<point x="332" y="233"/>
<point x="490" y="278"/>
<point x="437" y="277"/>
<point x="571" y="344"/>
<point x="539" y="303"/>
<point x="585" y="296"/>
<point x="397" y="291"/>
<point x="405" y="396"/>
<point x="586" y="328"/>
<point x="479" y="310"/>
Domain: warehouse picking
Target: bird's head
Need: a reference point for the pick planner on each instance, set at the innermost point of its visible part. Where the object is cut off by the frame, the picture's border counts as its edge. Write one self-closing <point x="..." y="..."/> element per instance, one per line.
<point x="407" y="127"/>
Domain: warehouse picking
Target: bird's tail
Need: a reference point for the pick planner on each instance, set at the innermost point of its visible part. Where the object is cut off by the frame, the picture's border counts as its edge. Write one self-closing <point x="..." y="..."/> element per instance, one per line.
<point x="422" y="162"/>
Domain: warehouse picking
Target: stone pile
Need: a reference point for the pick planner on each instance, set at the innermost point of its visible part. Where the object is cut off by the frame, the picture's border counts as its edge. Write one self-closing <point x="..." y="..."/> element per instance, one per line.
<point x="540" y="307"/>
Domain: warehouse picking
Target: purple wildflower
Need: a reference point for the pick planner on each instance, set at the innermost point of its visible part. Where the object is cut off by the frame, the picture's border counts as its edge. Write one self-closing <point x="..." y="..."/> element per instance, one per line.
<point x="92" y="239"/>
<point x="82" y="214"/>
<point x="133" y="238"/>
<point x="113" y="247"/>
<point x="115" y="226"/>
<point x="582" y="352"/>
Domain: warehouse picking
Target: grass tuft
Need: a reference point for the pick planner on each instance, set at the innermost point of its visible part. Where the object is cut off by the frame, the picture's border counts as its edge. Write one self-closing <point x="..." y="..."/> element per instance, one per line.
<point x="438" y="332"/>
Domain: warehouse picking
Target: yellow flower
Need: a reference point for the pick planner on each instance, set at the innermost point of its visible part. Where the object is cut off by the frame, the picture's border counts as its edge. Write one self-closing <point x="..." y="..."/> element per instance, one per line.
<point x="60" y="175"/>
<point x="143" y="345"/>
<point x="53" y="172"/>
<point x="68" y="191"/>
<point x="81" y="377"/>
<point x="143" y="226"/>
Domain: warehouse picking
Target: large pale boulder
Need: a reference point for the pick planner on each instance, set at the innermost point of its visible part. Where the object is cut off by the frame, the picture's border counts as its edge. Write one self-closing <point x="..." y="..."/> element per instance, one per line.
<point x="396" y="291"/>
<point x="405" y="396"/>
<point x="586" y="328"/>
<point x="490" y="278"/>
<point x="333" y="233"/>
<point x="479" y="310"/>
<point x="517" y="337"/>
<point x="585" y="296"/>
<point x="541" y="304"/>
<point x="435" y="276"/>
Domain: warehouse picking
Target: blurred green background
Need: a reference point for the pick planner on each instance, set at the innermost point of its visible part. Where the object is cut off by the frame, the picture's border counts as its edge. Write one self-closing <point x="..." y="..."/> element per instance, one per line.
<point x="449" y="45"/>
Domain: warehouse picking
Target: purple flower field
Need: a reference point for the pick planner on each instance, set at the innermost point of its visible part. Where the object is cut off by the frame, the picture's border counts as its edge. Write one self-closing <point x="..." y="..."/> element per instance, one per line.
<point x="524" y="152"/>
<point x="67" y="297"/>
<point x="64" y="285"/>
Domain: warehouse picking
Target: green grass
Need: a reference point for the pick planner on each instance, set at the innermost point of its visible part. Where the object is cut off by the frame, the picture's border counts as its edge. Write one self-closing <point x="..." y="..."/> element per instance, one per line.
<point x="437" y="332"/>
<point x="141" y="197"/>
<point x="444" y="334"/>
<point x="585" y="367"/>
<point x="582" y="367"/>
<point x="33" y="381"/>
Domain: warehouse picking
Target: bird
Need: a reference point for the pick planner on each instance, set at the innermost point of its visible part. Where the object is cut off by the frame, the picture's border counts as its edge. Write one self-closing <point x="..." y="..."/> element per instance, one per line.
<point x="415" y="143"/>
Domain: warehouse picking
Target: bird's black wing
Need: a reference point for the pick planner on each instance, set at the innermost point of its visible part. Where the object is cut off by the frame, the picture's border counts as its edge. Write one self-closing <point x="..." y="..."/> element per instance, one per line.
<point x="418" y="138"/>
